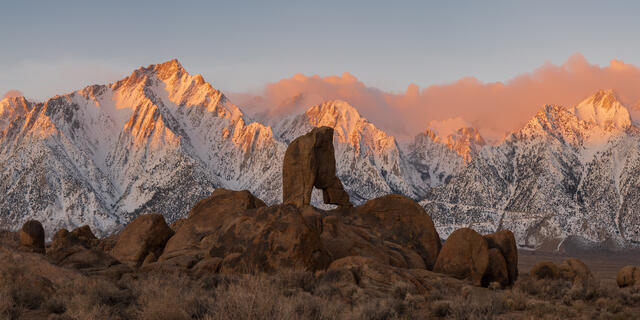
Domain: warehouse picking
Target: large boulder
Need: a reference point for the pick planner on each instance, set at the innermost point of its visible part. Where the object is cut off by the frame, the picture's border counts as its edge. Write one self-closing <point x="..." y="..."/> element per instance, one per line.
<point x="310" y="162"/>
<point x="205" y="219"/>
<point x="505" y="241"/>
<point x="145" y="235"/>
<point x="32" y="236"/>
<point x="393" y="229"/>
<point x="267" y="239"/>
<point x="465" y="254"/>
<point x="628" y="276"/>
<point x="238" y="228"/>
<point x="497" y="270"/>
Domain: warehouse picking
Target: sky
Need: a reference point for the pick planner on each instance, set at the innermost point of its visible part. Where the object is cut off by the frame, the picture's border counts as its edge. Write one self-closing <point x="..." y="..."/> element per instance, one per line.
<point x="390" y="48"/>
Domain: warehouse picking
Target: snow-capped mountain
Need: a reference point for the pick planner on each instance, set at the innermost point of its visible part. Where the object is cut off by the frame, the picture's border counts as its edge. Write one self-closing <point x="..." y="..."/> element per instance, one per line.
<point x="156" y="141"/>
<point x="161" y="139"/>
<point x="569" y="173"/>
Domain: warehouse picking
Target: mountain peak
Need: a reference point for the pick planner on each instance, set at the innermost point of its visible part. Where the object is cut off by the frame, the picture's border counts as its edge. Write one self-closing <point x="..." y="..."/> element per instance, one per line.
<point x="604" y="109"/>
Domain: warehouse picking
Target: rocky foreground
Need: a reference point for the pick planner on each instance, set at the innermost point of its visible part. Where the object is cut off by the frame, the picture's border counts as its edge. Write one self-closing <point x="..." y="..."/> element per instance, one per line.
<point x="234" y="257"/>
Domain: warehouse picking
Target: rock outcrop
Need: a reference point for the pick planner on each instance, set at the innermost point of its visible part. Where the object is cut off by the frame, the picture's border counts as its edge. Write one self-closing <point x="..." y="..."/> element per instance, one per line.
<point x="238" y="228"/>
<point x="310" y="162"/>
<point x="628" y="276"/>
<point x="393" y="229"/>
<point x="32" y="236"/>
<point x="465" y="254"/>
<point x="505" y="241"/>
<point x="143" y="238"/>
<point x="76" y="249"/>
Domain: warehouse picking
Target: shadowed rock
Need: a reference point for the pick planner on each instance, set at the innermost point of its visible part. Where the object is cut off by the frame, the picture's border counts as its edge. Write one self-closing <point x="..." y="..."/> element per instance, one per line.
<point x="628" y="276"/>
<point x="465" y="254"/>
<point x="310" y="162"/>
<point x="206" y="218"/>
<point x="505" y="241"/>
<point x="496" y="269"/>
<point x="145" y="235"/>
<point x="393" y="229"/>
<point x="247" y="236"/>
<point x="32" y="236"/>
<point x="76" y="249"/>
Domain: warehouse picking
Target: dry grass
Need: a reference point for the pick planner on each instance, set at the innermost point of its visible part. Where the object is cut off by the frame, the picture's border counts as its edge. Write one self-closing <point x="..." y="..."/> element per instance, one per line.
<point x="301" y="295"/>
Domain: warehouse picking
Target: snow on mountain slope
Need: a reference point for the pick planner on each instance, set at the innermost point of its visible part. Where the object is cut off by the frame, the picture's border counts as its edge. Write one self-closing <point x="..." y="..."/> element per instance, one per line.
<point x="369" y="161"/>
<point x="565" y="174"/>
<point x="158" y="140"/>
<point x="438" y="159"/>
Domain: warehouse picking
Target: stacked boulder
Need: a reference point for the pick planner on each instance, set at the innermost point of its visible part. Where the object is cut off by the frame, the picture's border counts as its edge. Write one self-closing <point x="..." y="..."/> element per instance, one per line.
<point x="468" y="255"/>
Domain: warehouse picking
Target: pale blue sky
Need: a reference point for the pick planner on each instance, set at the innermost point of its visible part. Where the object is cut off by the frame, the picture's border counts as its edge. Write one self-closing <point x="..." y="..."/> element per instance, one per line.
<point x="51" y="47"/>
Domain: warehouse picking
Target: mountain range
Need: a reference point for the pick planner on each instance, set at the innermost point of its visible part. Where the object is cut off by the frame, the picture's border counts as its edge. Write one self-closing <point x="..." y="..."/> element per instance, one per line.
<point x="161" y="139"/>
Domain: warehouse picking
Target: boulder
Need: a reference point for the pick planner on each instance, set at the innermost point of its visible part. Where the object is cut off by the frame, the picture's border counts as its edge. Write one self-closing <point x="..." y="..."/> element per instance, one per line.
<point x="545" y="270"/>
<point x="32" y="236"/>
<point x="628" y="276"/>
<point x="465" y="254"/>
<point x="310" y="162"/>
<point x="206" y="218"/>
<point x="68" y="250"/>
<point x="573" y="270"/>
<point x="146" y="234"/>
<point x="497" y="270"/>
<point x="393" y="229"/>
<point x="267" y="239"/>
<point x="85" y="236"/>
<point x="505" y="241"/>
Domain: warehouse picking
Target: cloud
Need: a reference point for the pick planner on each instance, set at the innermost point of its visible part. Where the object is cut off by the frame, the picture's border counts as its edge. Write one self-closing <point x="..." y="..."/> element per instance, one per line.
<point x="12" y="93"/>
<point x="494" y="108"/>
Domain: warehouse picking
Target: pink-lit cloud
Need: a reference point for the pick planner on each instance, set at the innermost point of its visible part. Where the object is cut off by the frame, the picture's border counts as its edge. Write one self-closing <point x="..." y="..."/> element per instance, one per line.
<point x="12" y="93"/>
<point x="494" y="108"/>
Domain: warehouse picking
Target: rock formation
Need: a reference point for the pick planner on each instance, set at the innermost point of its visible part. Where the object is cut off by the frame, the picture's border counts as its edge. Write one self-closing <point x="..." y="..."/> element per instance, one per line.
<point x="628" y="276"/>
<point x="32" y="236"/>
<point x="143" y="239"/>
<point x="393" y="229"/>
<point x="505" y="241"/>
<point x="465" y="254"/>
<point x="310" y="162"/>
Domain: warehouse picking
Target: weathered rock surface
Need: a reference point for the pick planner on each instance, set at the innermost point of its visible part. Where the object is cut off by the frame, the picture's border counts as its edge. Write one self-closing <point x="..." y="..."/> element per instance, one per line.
<point x="465" y="254"/>
<point x="205" y="219"/>
<point x="145" y="235"/>
<point x="237" y="227"/>
<point x="393" y="229"/>
<point x="310" y="162"/>
<point x="505" y="241"/>
<point x="32" y="236"/>
<point x="628" y="276"/>
<point x="573" y="269"/>
<point x="497" y="270"/>
<point x="545" y="270"/>
<point x="378" y="279"/>
<point x="76" y="249"/>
